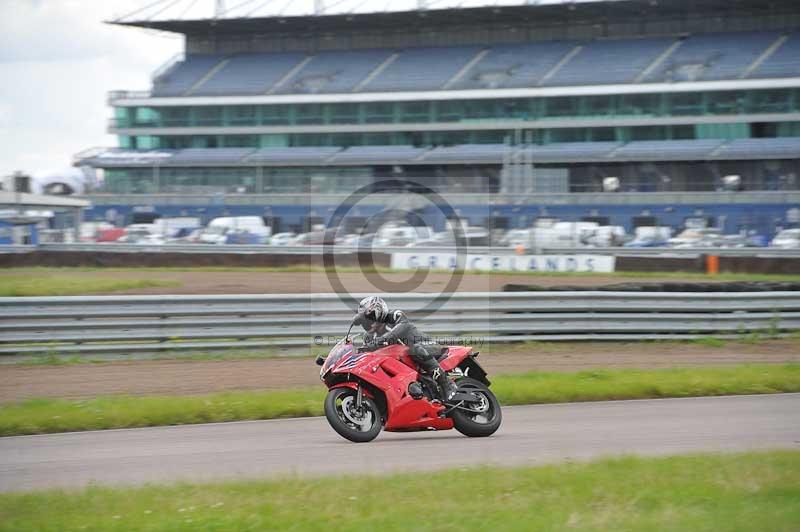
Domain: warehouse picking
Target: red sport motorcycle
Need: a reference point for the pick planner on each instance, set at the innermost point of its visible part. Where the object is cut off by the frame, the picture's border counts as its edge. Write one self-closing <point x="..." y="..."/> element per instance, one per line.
<point x="370" y="391"/>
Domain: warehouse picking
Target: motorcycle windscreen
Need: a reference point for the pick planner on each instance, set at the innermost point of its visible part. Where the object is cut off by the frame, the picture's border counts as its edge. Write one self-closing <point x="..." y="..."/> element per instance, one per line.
<point x="337" y="352"/>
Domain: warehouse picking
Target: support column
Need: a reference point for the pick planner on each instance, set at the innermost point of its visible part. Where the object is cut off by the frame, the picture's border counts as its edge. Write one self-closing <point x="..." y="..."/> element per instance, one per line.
<point x="77" y="218"/>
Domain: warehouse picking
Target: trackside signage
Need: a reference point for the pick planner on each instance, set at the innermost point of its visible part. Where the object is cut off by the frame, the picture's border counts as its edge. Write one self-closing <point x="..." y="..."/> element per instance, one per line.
<point x="505" y="263"/>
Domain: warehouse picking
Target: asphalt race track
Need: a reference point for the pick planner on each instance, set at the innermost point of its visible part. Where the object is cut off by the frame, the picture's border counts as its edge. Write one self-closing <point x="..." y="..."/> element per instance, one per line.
<point x="529" y="435"/>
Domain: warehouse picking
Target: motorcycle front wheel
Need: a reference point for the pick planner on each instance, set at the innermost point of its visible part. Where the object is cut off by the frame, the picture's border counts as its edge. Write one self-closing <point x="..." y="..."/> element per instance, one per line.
<point x="355" y="424"/>
<point x="477" y="419"/>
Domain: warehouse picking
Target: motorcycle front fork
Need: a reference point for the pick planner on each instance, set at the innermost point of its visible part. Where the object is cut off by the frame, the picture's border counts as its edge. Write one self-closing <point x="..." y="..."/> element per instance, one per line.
<point x="359" y="397"/>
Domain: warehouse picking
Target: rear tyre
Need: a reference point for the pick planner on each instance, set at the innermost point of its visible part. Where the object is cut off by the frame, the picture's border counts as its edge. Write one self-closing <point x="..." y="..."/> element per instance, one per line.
<point x="357" y="425"/>
<point x="477" y="420"/>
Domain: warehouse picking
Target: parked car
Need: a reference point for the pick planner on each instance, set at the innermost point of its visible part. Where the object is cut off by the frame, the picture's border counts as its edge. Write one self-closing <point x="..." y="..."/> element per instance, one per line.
<point x="787" y="239"/>
<point x="313" y="238"/>
<point x="141" y="234"/>
<point x="218" y="229"/>
<point x="607" y="236"/>
<point x="649" y="237"/>
<point x="398" y="234"/>
<point x="110" y="235"/>
<point x="282" y="239"/>
<point x="177" y="227"/>
<point x="90" y="231"/>
<point x="696" y="238"/>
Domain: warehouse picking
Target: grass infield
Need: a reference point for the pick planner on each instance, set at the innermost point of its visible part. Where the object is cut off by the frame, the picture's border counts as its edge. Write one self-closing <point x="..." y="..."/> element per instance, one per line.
<point x="730" y="492"/>
<point x="26" y="285"/>
<point x="39" y="416"/>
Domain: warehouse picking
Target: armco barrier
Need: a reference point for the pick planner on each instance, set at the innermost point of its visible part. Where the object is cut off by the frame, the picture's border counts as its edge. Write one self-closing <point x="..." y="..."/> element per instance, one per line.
<point x="135" y="324"/>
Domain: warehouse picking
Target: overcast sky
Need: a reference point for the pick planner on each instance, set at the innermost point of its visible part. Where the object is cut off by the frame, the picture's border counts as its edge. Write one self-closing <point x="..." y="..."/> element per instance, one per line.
<point x="58" y="60"/>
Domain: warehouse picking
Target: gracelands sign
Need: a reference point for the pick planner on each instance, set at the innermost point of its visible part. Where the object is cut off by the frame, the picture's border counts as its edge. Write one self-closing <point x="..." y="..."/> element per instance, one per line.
<point x="505" y="263"/>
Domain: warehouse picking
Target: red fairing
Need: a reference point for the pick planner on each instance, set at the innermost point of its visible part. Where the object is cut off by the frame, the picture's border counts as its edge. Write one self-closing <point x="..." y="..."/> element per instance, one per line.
<point x="391" y="370"/>
<point x="455" y="355"/>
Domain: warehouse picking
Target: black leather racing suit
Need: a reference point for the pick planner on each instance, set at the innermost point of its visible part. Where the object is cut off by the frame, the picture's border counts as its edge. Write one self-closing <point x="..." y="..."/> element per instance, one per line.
<point x="395" y="327"/>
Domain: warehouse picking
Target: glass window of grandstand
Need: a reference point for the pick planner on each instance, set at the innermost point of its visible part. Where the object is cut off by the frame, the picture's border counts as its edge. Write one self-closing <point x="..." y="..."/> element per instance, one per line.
<point x="145" y="116"/>
<point x="240" y="141"/>
<point x="175" y="116"/>
<point x="274" y="141"/>
<point x="242" y="115"/>
<point x="345" y="139"/>
<point x="130" y="181"/>
<point x="378" y="112"/>
<point x="346" y="113"/>
<point x="412" y="112"/>
<point x="487" y="137"/>
<point x="689" y="103"/>
<point x="309" y="114"/>
<point x="275" y="115"/>
<point x="727" y="102"/>
<point x="566" y="106"/>
<point x="448" y="111"/>
<point x="146" y="142"/>
<point x="479" y="109"/>
<point x="121" y="117"/>
<point x="639" y="104"/>
<point x="207" y="180"/>
<point x="772" y="101"/>
<point x="207" y="116"/>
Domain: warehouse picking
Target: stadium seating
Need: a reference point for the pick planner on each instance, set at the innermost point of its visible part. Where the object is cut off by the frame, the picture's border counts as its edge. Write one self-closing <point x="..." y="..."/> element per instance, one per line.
<point x="514" y="65"/>
<point x="210" y="155"/>
<point x="698" y="57"/>
<point x="291" y="156"/>
<point x="784" y="62"/>
<point x="467" y="153"/>
<point x="665" y="150"/>
<point x="378" y="154"/>
<point x="183" y="75"/>
<point x="571" y="151"/>
<point x="422" y="69"/>
<point x="787" y="147"/>
<point x="713" y="56"/>
<point x="339" y="71"/>
<point x="610" y="61"/>
<point x="249" y="74"/>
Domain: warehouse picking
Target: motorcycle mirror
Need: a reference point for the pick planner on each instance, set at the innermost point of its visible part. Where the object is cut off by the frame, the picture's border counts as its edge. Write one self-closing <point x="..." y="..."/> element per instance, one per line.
<point x="320" y="360"/>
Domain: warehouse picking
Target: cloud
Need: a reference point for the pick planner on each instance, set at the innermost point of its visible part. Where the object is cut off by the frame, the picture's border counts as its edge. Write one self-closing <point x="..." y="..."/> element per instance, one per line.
<point x="58" y="60"/>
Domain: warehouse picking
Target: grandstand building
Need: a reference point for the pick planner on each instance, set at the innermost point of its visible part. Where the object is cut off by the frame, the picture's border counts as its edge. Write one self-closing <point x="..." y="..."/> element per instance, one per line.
<point x="509" y="112"/>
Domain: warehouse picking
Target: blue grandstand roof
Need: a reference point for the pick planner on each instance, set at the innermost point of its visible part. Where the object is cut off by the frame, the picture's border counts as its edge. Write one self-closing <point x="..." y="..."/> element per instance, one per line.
<point x="540" y="12"/>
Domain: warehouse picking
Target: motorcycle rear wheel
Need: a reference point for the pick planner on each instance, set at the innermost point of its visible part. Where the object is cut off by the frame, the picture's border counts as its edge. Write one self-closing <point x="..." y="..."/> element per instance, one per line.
<point x="350" y="423"/>
<point x="481" y="420"/>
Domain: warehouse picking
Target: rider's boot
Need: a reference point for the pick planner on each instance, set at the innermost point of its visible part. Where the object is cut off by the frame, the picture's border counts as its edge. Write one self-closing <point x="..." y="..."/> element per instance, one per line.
<point x="447" y="388"/>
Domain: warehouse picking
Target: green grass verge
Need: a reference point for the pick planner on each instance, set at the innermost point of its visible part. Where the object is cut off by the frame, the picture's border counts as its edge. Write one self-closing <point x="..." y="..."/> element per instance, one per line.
<point x="38" y="416"/>
<point x="678" y="276"/>
<point x="26" y="285"/>
<point x="730" y="492"/>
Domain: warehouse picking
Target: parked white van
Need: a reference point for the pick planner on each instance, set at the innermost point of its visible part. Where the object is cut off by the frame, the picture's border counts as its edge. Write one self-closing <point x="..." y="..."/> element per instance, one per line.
<point x="218" y="229"/>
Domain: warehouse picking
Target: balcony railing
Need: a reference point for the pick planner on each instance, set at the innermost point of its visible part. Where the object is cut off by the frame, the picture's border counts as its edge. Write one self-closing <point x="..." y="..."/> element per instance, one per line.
<point x="115" y="96"/>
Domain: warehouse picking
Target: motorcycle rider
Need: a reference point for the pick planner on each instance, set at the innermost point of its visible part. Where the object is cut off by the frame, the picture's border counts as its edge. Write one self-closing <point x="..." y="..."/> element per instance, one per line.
<point x="386" y="326"/>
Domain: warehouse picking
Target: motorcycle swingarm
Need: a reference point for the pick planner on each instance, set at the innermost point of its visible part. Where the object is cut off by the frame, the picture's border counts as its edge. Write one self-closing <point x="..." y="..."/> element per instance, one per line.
<point x="461" y="397"/>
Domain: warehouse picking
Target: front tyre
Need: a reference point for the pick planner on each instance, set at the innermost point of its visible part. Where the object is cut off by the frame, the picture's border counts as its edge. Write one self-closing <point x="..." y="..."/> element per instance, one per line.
<point x="481" y="419"/>
<point x="357" y="425"/>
